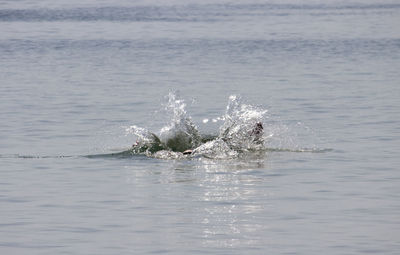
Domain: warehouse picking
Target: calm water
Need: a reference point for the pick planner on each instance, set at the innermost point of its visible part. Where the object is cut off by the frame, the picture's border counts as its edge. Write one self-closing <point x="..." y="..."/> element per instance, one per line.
<point x="75" y="74"/>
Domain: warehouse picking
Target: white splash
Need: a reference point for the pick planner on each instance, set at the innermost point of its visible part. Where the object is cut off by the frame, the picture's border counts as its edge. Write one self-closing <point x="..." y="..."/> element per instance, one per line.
<point x="240" y="121"/>
<point x="242" y="131"/>
<point x="181" y="134"/>
<point x="142" y="134"/>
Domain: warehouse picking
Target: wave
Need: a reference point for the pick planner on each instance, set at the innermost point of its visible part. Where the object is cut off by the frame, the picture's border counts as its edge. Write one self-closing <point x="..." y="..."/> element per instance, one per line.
<point x="178" y="13"/>
<point x="113" y="14"/>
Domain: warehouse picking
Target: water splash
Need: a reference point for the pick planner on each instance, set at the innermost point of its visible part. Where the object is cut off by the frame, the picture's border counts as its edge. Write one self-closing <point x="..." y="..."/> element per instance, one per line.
<point x="147" y="142"/>
<point x="242" y="131"/>
<point x="245" y="130"/>
<point x="181" y="134"/>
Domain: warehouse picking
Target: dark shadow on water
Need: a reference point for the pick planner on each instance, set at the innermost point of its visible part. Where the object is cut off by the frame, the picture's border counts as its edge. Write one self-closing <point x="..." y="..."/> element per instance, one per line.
<point x="117" y="155"/>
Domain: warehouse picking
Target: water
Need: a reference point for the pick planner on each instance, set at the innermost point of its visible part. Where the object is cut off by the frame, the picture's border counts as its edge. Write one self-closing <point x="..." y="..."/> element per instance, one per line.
<point x="77" y="75"/>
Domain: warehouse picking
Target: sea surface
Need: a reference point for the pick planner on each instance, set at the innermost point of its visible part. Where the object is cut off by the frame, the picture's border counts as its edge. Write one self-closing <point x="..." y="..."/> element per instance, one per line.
<point x="76" y="76"/>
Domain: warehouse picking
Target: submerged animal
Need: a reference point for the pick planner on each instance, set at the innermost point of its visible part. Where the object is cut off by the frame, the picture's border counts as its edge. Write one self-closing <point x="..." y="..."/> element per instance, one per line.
<point x="186" y="143"/>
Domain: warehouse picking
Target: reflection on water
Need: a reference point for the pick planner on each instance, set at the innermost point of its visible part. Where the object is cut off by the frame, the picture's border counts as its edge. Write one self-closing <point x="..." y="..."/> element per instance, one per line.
<point x="224" y="202"/>
<point x="229" y="193"/>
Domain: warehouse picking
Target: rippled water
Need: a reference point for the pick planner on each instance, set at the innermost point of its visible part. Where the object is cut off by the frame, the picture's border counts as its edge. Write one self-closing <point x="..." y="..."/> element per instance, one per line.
<point x="76" y="76"/>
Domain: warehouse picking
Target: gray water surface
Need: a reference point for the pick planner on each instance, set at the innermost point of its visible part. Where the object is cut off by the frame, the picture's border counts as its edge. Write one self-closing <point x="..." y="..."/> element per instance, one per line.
<point x="75" y="74"/>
